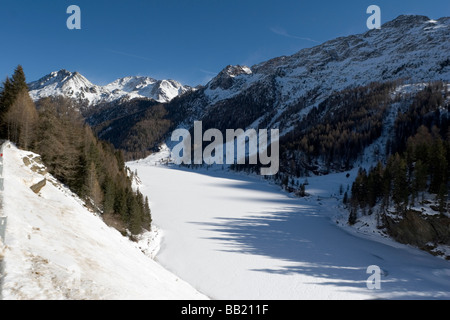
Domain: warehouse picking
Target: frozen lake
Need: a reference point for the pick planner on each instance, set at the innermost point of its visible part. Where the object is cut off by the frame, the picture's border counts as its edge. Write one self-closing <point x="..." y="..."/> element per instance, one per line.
<point x="237" y="237"/>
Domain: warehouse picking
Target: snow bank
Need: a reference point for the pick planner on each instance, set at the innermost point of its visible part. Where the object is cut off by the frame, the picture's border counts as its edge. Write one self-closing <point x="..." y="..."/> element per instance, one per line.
<point x="57" y="249"/>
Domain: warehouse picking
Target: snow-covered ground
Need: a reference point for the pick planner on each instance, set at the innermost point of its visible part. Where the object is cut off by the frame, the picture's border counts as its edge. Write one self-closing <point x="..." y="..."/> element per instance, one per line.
<point x="234" y="236"/>
<point x="57" y="249"/>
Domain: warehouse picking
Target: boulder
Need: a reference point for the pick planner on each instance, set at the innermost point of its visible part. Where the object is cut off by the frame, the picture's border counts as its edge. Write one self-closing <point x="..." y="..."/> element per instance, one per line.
<point x="38" y="186"/>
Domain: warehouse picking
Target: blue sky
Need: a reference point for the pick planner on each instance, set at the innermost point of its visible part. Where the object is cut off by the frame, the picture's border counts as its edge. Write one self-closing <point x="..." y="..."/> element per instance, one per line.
<point x="186" y="40"/>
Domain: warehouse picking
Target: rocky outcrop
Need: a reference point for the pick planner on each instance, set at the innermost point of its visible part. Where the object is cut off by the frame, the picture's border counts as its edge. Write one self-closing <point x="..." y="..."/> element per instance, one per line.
<point x="225" y="79"/>
<point x="419" y="230"/>
<point x="38" y="186"/>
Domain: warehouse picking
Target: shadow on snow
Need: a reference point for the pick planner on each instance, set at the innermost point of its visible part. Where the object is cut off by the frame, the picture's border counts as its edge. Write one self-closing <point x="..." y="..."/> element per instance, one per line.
<point x="304" y="236"/>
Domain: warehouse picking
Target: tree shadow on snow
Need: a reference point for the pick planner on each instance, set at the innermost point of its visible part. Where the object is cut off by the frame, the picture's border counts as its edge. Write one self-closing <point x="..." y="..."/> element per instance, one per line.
<point x="311" y="244"/>
<point x="302" y="234"/>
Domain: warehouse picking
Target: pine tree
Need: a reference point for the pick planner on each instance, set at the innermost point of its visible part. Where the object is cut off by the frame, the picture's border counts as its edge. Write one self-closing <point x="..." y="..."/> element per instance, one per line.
<point x="420" y="178"/>
<point x="19" y="81"/>
<point x="120" y="203"/>
<point x="147" y="214"/>
<point x="109" y="192"/>
<point x="400" y="184"/>
<point x="6" y="100"/>
<point x="134" y="213"/>
<point x="352" y="218"/>
<point x="438" y="166"/>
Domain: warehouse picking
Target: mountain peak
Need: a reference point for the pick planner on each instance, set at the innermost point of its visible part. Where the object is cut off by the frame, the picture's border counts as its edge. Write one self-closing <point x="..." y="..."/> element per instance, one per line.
<point x="406" y="21"/>
<point x="62" y="72"/>
<point x="410" y="47"/>
<point x="75" y="86"/>
<point x="225" y="77"/>
<point x="234" y="71"/>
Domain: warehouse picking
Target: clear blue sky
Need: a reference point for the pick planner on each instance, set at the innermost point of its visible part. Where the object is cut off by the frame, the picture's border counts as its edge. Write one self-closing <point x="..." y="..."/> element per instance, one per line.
<point x="185" y="40"/>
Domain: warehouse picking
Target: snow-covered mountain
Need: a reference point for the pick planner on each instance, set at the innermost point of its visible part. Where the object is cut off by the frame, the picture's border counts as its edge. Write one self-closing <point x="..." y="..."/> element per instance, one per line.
<point x="413" y="48"/>
<point x="281" y="93"/>
<point x="159" y="90"/>
<point x="76" y="86"/>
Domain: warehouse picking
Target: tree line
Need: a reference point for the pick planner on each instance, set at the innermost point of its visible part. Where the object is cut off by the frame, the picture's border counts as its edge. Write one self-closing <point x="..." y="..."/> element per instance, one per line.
<point x="93" y="169"/>
<point x="334" y="134"/>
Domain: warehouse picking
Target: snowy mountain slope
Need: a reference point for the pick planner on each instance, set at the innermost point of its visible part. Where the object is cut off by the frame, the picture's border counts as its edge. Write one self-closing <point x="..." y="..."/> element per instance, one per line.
<point x="138" y="87"/>
<point x="246" y="239"/>
<point x="401" y="99"/>
<point x="76" y="86"/>
<point x="57" y="249"/>
<point x="414" y="48"/>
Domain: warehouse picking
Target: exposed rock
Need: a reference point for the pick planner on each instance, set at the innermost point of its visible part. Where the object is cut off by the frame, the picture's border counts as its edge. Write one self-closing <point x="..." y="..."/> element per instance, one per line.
<point x="419" y="230"/>
<point x="38" y="186"/>
<point x="224" y="79"/>
<point x="26" y="161"/>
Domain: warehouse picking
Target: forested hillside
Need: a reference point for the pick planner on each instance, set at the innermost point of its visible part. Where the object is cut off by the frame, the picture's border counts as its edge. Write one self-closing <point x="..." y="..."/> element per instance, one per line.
<point x="333" y="135"/>
<point x="408" y="193"/>
<point x="136" y="127"/>
<point x="93" y="169"/>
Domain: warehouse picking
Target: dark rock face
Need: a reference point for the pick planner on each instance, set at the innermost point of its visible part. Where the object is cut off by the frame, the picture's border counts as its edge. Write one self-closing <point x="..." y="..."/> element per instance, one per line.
<point x="419" y="230"/>
<point x="225" y="79"/>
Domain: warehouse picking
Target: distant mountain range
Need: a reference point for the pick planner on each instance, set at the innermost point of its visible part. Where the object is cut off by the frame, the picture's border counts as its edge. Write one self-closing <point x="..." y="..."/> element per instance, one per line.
<point x="279" y="93"/>
<point x="410" y="47"/>
<point x="76" y="86"/>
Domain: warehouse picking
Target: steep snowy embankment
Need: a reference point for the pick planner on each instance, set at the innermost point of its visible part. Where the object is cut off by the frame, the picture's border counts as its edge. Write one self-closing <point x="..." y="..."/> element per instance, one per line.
<point x="57" y="249"/>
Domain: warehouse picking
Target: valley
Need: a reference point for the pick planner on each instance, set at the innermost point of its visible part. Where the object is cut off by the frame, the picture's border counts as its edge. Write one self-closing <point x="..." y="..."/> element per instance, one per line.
<point x="235" y="236"/>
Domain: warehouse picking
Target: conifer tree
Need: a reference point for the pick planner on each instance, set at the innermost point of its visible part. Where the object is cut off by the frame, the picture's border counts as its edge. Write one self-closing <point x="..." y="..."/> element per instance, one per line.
<point x="109" y="191"/>
<point x="19" y="81"/>
<point x="147" y="214"/>
<point x="438" y="166"/>
<point x="6" y="100"/>
<point x="400" y="184"/>
<point x="420" y="178"/>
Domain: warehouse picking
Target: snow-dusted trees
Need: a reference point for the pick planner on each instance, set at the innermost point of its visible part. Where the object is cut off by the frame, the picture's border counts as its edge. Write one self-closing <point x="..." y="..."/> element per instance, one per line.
<point x="337" y="130"/>
<point x="423" y="167"/>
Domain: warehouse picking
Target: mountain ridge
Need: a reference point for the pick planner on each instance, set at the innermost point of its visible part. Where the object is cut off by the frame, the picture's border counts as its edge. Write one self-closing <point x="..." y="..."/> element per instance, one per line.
<point x="75" y="86"/>
<point x="413" y="48"/>
<point x="281" y="92"/>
